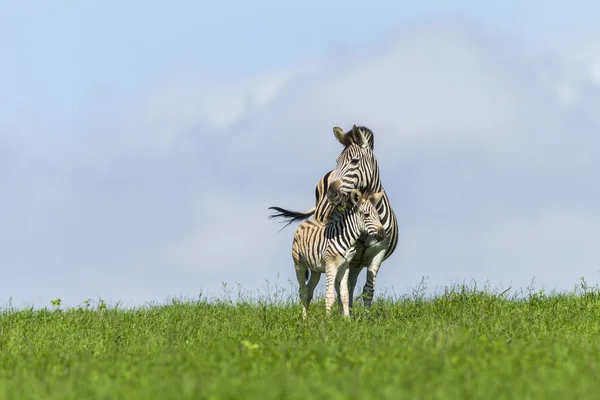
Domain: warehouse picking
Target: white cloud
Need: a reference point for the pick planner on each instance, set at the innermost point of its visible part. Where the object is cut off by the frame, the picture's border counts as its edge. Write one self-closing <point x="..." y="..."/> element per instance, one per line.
<point x="205" y="106"/>
<point x="487" y="153"/>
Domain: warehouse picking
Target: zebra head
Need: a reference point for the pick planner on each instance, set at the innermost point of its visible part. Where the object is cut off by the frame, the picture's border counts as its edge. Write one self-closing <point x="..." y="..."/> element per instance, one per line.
<point x="352" y="136"/>
<point x="356" y="166"/>
<point x="367" y="214"/>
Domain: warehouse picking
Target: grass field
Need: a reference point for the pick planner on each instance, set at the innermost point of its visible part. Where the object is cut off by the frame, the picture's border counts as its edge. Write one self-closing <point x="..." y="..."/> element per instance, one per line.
<point x="462" y="344"/>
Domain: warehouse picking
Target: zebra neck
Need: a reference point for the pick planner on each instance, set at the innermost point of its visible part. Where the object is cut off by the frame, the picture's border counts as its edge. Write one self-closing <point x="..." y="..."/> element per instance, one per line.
<point x="345" y="222"/>
<point x="375" y="185"/>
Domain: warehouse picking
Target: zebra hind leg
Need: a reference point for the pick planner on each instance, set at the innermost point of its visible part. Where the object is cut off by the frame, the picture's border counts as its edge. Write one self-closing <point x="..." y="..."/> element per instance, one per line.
<point x="352" y="278"/>
<point x="303" y="289"/>
<point x="337" y="291"/>
<point x="312" y="284"/>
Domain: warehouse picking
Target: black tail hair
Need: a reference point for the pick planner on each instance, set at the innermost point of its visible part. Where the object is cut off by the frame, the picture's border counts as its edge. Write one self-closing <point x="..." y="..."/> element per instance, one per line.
<point x="306" y="276"/>
<point x="290" y="216"/>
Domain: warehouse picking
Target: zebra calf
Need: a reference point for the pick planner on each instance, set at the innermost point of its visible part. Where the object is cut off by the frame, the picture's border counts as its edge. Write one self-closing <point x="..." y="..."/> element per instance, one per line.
<point x="327" y="247"/>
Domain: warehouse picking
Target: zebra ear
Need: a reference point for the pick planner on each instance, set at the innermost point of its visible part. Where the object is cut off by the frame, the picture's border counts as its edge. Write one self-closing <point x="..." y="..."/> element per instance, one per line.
<point x="355" y="196"/>
<point x="340" y="135"/>
<point x="375" y="197"/>
<point x="360" y="137"/>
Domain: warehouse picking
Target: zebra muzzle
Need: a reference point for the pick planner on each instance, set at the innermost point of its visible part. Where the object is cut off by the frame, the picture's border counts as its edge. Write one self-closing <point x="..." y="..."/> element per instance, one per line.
<point x="380" y="233"/>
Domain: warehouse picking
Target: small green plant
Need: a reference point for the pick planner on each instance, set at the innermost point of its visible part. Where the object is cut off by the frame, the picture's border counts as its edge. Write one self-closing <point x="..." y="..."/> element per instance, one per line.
<point x="249" y="345"/>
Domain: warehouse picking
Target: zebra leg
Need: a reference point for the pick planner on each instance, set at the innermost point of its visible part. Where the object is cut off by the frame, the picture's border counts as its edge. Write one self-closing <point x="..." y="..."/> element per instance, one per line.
<point x="312" y="284"/>
<point x="352" y="278"/>
<point x="343" y="273"/>
<point x="330" y="274"/>
<point x="303" y="289"/>
<point x="337" y="292"/>
<point x="372" y="270"/>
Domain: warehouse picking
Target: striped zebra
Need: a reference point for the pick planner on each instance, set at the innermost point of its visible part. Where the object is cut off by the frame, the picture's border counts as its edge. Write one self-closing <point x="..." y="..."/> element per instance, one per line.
<point x="328" y="247"/>
<point x="356" y="168"/>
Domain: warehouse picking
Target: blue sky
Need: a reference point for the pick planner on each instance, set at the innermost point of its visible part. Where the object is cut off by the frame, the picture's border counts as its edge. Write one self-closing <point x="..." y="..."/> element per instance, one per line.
<point x="141" y="141"/>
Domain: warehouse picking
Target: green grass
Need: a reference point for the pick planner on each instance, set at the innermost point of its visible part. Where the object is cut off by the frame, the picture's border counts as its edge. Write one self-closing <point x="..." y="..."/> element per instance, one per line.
<point x="459" y="345"/>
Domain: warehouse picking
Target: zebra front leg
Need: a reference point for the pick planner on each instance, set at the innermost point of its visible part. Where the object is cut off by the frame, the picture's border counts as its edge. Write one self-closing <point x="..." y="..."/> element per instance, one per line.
<point x="343" y="273"/>
<point x="331" y="269"/>
<point x="372" y="270"/>
<point x="303" y="289"/>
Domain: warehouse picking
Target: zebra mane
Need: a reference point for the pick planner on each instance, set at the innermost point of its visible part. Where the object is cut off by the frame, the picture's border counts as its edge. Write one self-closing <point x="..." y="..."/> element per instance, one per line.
<point x="368" y="133"/>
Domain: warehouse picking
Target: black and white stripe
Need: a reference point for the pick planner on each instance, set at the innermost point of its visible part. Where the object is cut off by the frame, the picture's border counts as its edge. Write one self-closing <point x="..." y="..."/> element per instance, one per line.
<point x="357" y="168"/>
<point x="328" y="247"/>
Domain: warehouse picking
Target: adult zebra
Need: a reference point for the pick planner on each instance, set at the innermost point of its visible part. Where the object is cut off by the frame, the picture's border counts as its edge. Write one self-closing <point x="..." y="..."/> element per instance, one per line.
<point x="328" y="247"/>
<point x="356" y="168"/>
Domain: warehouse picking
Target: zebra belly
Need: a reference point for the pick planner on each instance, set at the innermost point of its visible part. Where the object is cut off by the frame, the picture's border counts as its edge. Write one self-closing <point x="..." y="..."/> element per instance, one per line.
<point x="316" y="265"/>
<point x="315" y="259"/>
<point x="336" y="257"/>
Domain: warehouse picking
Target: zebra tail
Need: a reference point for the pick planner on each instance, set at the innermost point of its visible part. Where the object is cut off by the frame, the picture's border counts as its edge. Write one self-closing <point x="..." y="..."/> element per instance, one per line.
<point x="291" y="216"/>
